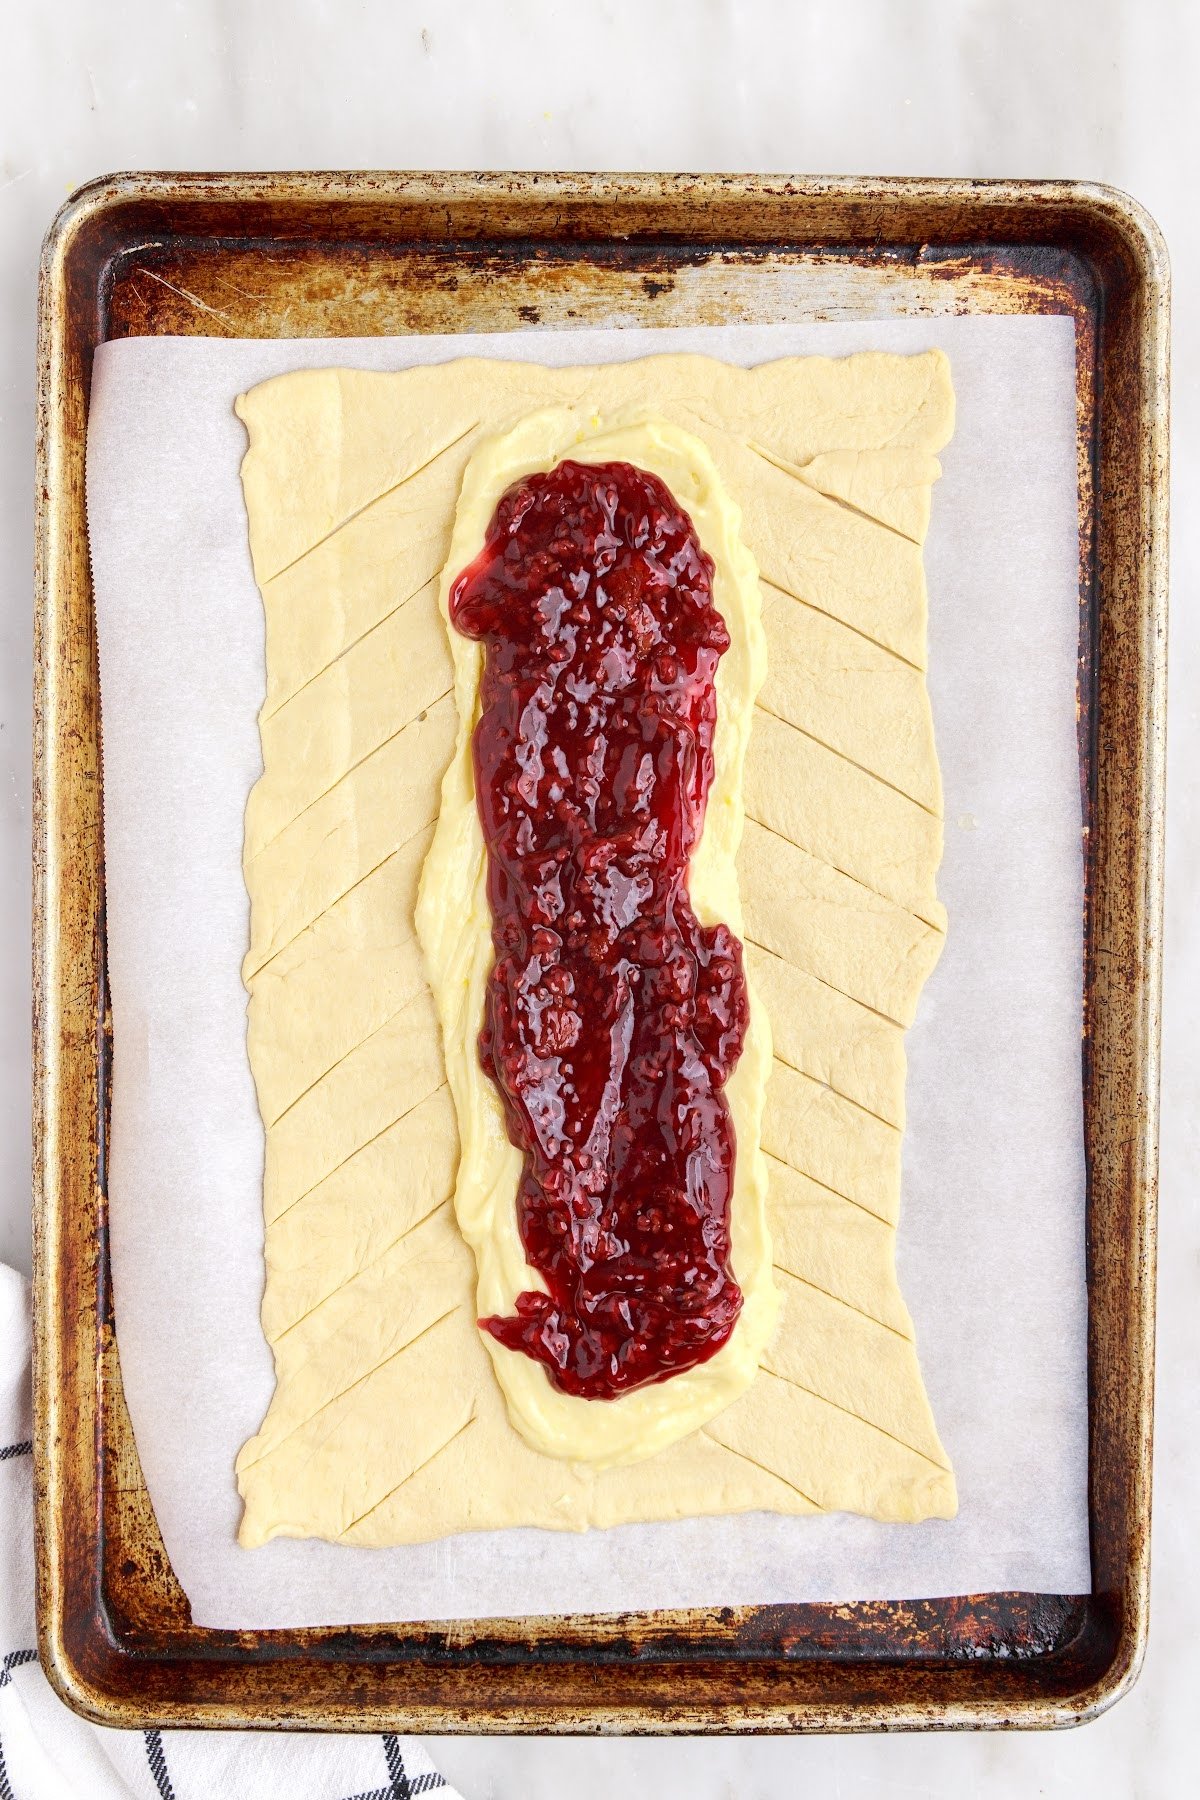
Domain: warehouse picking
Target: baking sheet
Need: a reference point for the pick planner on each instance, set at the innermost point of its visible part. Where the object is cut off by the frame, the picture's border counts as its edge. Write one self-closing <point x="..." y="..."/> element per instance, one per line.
<point x="991" y="1237"/>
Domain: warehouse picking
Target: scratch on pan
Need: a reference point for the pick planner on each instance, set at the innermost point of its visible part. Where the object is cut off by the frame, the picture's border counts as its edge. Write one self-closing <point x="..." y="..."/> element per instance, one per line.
<point x="184" y="294"/>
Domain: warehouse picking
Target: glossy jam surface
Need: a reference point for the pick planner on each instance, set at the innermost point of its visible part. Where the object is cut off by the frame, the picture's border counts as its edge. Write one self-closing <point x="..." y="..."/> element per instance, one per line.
<point x="613" y="1018"/>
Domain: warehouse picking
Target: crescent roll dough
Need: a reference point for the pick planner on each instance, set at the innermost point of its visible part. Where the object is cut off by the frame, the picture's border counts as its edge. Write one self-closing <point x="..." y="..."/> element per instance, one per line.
<point x="388" y="1423"/>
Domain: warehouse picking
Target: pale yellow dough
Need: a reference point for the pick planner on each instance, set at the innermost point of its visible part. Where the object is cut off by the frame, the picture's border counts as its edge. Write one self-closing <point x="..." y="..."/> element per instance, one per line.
<point x="388" y="1424"/>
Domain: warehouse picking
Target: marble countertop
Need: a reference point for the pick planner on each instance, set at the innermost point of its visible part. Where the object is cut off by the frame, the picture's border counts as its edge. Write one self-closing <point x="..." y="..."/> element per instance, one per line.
<point x="1096" y="89"/>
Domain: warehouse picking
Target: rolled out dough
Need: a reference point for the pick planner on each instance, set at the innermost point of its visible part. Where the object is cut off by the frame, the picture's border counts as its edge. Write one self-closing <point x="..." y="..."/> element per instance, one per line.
<point x="387" y="1424"/>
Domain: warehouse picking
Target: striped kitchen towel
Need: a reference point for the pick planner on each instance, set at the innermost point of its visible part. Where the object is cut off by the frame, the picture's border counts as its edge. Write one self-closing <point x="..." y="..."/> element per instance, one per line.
<point x="47" y="1753"/>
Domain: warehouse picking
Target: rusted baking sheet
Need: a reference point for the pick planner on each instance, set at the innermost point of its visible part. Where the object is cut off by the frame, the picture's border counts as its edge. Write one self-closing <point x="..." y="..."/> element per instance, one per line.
<point x="335" y="255"/>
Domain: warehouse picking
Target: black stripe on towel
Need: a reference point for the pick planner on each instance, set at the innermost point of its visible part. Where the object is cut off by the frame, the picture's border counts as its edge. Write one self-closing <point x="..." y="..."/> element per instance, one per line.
<point x="395" y="1763"/>
<point x="156" y="1756"/>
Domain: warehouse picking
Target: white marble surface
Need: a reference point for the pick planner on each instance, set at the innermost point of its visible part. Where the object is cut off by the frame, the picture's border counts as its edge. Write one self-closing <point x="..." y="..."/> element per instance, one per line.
<point x="1104" y="89"/>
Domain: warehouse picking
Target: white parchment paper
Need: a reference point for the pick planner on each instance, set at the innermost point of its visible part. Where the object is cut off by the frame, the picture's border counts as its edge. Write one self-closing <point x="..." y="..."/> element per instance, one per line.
<point x="991" y="1238"/>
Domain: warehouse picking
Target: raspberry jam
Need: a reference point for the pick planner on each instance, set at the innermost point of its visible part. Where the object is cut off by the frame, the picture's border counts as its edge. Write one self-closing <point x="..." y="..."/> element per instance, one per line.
<point x="613" y="1018"/>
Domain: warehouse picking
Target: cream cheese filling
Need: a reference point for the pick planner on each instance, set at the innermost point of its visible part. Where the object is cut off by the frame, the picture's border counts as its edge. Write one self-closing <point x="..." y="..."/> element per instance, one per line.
<point x="454" y="926"/>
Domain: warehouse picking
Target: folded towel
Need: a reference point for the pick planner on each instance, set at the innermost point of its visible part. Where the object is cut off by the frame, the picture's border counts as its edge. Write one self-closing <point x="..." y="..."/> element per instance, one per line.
<point x="47" y="1753"/>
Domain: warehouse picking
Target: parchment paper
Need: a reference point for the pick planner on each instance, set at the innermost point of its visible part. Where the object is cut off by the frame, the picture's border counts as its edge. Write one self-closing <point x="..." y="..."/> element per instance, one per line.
<point x="991" y="1237"/>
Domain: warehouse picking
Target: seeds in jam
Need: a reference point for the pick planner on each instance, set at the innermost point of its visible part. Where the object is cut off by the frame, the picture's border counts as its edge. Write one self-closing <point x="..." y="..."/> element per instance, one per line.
<point x="613" y="1018"/>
